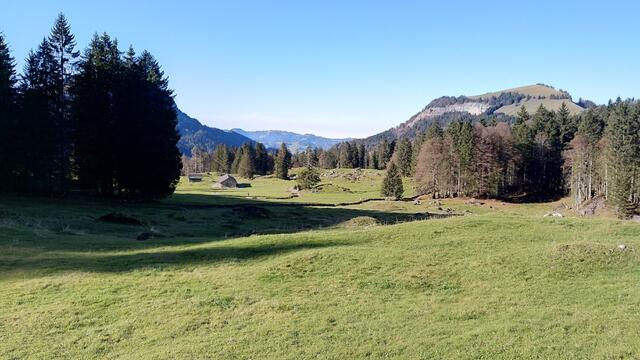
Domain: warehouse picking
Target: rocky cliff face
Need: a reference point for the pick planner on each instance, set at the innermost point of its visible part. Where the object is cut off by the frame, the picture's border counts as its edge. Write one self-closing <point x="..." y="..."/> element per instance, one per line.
<point x="473" y="108"/>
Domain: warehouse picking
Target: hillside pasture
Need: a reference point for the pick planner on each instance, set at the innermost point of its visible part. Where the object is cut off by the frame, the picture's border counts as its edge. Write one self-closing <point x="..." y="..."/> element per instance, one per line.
<point x="231" y="276"/>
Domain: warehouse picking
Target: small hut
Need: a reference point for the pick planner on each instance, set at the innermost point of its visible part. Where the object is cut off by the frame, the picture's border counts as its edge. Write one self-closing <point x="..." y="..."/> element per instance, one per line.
<point x="226" y="181"/>
<point x="195" y="177"/>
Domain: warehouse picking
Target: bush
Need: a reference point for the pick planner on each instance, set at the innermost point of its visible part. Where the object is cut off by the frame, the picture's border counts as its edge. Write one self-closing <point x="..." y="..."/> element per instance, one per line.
<point x="308" y="178"/>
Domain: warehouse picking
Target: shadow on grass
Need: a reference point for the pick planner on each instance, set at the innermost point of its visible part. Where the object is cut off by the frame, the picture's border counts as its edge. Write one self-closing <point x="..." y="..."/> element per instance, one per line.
<point x="43" y="225"/>
<point x="530" y="198"/>
<point x="96" y="262"/>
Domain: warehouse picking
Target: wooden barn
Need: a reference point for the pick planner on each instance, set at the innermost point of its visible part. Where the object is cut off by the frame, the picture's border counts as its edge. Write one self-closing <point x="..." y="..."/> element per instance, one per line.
<point x="226" y="181"/>
<point x="195" y="177"/>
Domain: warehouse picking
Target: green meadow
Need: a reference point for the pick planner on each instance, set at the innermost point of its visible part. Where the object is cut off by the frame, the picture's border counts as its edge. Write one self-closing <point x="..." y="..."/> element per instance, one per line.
<point x="258" y="272"/>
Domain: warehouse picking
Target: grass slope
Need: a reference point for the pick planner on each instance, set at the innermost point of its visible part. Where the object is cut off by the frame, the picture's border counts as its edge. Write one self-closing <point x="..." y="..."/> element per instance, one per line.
<point x="316" y="282"/>
<point x="531" y="90"/>
<point x="533" y="105"/>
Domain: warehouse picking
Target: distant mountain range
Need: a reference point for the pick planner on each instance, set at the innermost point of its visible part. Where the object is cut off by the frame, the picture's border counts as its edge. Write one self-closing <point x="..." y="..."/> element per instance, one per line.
<point x="502" y="105"/>
<point x="193" y="133"/>
<point x="295" y="142"/>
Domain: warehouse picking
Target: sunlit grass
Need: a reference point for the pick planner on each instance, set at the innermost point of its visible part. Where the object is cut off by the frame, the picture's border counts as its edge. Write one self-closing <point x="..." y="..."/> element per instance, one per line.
<point x="297" y="282"/>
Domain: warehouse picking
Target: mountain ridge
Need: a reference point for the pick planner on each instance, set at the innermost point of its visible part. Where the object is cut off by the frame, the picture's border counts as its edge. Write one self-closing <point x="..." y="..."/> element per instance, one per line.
<point x="195" y="134"/>
<point x="502" y="105"/>
<point x="295" y="142"/>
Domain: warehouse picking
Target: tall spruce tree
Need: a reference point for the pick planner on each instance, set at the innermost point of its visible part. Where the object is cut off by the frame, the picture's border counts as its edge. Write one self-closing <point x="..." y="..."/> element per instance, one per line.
<point x="623" y="135"/>
<point x="523" y="136"/>
<point x="95" y="128"/>
<point x="237" y="156"/>
<point x="405" y="157"/>
<point x="434" y="131"/>
<point x="392" y="184"/>
<point x="246" y="164"/>
<point x="283" y="162"/>
<point x="39" y="141"/>
<point x="7" y="116"/>
<point x="221" y="159"/>
<point x="261" y="159"/>
<point x="62" y="43"/>
<point x="147" y="159"/>
<point x="567" y="124"/>
<point x="384" y="153"/>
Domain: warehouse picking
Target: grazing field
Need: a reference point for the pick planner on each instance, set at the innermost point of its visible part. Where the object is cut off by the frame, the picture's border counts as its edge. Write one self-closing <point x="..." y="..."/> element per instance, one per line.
<point x="226" y="274"/>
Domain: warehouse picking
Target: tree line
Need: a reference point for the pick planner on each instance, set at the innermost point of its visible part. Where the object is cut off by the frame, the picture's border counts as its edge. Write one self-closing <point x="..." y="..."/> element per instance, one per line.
<point x="102" y="122"/>
<point x="547" y="154"/>
<point x="247" y="161"/>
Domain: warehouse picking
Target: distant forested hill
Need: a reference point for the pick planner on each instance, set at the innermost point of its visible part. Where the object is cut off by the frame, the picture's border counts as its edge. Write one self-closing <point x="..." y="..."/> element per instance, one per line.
<point x="500" y="105"/>
<point x="193" y="133"/>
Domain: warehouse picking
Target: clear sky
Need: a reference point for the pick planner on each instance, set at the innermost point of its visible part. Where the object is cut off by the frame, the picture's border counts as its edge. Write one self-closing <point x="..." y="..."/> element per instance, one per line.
<point x="350" y="67"/>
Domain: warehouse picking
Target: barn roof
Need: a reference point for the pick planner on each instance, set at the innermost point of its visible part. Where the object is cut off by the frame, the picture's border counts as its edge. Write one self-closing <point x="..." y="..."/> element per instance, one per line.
<point x="225" y="177"/>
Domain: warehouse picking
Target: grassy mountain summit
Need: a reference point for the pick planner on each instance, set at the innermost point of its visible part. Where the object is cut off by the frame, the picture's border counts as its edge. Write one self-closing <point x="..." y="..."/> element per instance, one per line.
<point x="502" y="105"/>
<point x="536" y="90"/>
<point x="536" y="95"/>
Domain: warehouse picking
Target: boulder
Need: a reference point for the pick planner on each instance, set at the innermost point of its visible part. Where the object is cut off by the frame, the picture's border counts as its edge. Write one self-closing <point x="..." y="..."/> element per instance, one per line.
<point x="553" y="214"/>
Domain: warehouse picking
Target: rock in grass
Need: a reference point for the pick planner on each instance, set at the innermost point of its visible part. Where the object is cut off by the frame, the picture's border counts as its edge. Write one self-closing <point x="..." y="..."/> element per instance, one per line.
<point x="152" y="233"/>
<point x="360" y="221"/>
<point x="553" y="214"/>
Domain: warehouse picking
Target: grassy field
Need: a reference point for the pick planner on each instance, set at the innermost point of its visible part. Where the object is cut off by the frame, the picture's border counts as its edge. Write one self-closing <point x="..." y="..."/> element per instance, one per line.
<point x="231" y="275"/>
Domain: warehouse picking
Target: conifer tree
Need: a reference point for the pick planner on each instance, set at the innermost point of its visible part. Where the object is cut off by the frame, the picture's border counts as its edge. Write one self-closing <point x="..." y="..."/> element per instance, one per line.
<point x="567" y="124"/>
<point x="283" y="162"/>
<point x="221" y="159"/>
<point x="308" y="178"/>
<point x="7" y="116"/>
<point x="434" y="131"/>
<point x="39" y="142"/>
<point x="261" y="159"/>
<point x="404" y="157"/>
<point x="362" y="156"/>
<point x="623" y="136"/>
<point x="523" y="137"/>
<point x="95" y="133"/>
<point x="237" y="156"/>
<point x="384" y="153"/>
<point x="62" y="43"/>
<point x="392" y="184"/>
<point x="246" y="165"/>
<point x="158" y="172"/>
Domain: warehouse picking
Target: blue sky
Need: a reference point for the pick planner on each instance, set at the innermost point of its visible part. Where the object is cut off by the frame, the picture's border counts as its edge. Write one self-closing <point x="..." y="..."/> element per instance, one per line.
<point x="352" y="68"/>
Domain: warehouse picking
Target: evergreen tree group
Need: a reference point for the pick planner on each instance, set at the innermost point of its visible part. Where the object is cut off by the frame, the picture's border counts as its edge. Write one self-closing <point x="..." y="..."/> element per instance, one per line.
<point x="102" y="122"/>
<point x="246" y="161"/>
<point x="546" y="154"/>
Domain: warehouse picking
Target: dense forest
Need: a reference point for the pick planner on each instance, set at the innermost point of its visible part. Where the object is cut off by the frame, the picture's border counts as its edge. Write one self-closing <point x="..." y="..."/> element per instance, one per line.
<point x="248" y="160"/>
<point x="548" y="154"/>
<point x="102" y="122"/>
